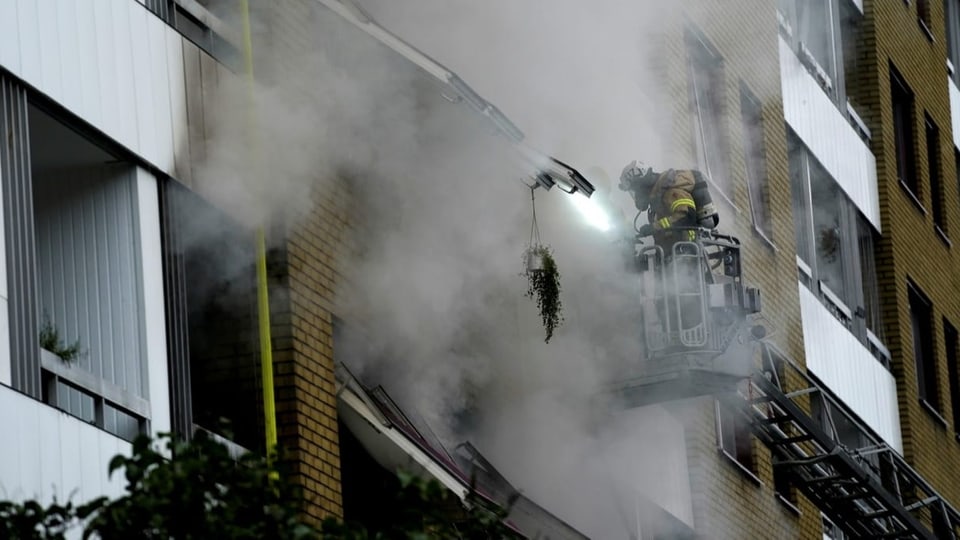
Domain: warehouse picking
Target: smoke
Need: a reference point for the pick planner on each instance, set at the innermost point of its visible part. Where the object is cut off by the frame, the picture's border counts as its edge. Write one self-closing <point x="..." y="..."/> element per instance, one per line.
<point x="433" y="293"/>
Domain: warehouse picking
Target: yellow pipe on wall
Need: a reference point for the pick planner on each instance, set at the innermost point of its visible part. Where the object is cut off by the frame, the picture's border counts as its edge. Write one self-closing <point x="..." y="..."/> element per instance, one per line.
<point x="263" y="299"/>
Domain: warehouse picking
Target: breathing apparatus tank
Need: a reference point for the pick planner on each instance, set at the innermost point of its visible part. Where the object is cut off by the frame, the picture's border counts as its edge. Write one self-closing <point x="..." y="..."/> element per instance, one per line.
<point x="707" y="215"/>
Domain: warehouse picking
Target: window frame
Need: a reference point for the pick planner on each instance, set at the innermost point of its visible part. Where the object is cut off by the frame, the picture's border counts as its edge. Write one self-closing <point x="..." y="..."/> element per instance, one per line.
<point x="951" y="342"/>
<point x="951" y="21"/>
<point x="902" y="106"/>
<point x="743" y="454"/>
<point x="788" y="12"/>
<point x="755" y="163"/>
<point x="712" y="157"/>
<point x="35" y="371"/>
<point x="935" y="177"/>
<point x="925" y="18"/>
<point x="851" y="311"/>
<point x="923" y="335"/>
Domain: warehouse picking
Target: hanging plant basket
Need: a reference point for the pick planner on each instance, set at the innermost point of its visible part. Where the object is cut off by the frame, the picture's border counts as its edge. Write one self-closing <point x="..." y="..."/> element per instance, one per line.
<point x="543" y="286"/>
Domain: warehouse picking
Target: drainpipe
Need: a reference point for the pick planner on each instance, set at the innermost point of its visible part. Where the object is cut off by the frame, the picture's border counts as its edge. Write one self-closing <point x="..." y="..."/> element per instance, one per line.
<point x="263" y="300"/>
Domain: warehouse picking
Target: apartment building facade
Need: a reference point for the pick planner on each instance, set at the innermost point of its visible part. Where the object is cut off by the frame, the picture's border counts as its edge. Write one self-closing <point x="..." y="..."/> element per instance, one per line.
<point x="827" y="129"/>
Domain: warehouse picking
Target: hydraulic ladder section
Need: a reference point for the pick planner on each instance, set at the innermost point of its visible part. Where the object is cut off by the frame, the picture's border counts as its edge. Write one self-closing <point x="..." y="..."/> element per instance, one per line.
<point x="854" y="478"/>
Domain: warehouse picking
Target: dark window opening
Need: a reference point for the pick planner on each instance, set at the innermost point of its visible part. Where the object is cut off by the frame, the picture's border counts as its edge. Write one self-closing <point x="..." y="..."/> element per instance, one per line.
<point x="751" y="115"/>
<point x="933" y="166"/>
<point x="921" y="319"/>
<point x="214" y="257"/>
<point x="734" y="437"/>
<point x="925" y="18"/>
<point x="951" y="343"/>
<point x="706" y="103"/>
<point x="902" y="104"/>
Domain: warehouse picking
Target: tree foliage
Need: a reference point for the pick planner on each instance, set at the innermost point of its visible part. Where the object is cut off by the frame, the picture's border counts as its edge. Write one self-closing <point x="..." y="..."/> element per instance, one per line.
<point x="203" y="492"/>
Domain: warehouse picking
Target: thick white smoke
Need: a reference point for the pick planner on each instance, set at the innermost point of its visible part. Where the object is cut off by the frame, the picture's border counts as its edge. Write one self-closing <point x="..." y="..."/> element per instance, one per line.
<point x="444" y="219"/>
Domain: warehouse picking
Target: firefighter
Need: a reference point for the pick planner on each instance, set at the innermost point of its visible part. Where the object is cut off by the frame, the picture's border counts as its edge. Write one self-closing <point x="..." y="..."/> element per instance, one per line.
<point x="672" y="199"/>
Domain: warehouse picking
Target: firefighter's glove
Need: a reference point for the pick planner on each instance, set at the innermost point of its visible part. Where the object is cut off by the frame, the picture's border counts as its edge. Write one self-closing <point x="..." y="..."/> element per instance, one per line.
<point x="646" y="230"/>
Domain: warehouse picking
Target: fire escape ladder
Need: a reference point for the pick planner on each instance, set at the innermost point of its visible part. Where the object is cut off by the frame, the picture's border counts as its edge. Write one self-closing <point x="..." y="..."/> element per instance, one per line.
<point x="844" y="468"/>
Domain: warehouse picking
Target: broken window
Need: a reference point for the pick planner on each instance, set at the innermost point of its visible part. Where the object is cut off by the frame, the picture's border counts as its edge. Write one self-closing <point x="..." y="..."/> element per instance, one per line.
<point x="921" y="322"/>
<point x="835" y="249"/>
<point x="212" y="320"/>
<point x="901" y="102"/>
<point x="706" y="104"/>
<point x="751" y="115"/>
<point x="734" y="436"/>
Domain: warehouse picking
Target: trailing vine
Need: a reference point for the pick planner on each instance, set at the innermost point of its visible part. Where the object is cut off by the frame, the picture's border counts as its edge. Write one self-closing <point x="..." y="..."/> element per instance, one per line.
<point x="543" y="278"/>
<point x="543" y="285"/>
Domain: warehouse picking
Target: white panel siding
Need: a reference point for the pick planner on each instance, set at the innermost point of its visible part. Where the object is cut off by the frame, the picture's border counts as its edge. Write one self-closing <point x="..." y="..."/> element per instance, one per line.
<point x="143" y="89"/>
<point x="954" y="111"/>
<point x="28" y="19"/>
<point x="178" y="104"/>
<point x="89" y="268"/>
<point x="111" y="62"/>
<point x="154" y="321"/>
<point x="9" y="36"/>
<point x="71" y="79"/>
<point x="51" y="453"/>
<point x="160" y="79"/>
<point x="828" y="135"/>
<point x="126" y="105"/>
<point x="106" y="26"/>
<point x="49" y="49"/>
<point x="89" y="65"/>
<point x="6" y="376"/>
<point x="836" y="357"/>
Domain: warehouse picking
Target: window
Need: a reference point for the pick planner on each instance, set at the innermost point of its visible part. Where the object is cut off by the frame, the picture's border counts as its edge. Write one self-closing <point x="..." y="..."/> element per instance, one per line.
<point x="921" y="320"/>
<point x="951" y="12"/>
<point x="901" y="101"/>
<point x="194" y="20"/>
<point x="835" y="248"/>
<point x="831" y="531"/>
<point x="933" y="166"/>
<point x="824" y="35"/>
<point x="924" y="18"/>
<point x="77" y="312"/>
<point x="950" y="341"/>
<point x="752" y="120"/>
<point x="706" y="99"/>
<point x="212" y="317"/>
<point x="867" y="239"/>
<point x="734" y="437"/>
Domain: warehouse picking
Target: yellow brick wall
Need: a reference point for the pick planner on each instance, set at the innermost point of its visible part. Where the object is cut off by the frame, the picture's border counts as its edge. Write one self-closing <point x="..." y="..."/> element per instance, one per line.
<point x="910" y="248"/>
<point x="728" y="503"/>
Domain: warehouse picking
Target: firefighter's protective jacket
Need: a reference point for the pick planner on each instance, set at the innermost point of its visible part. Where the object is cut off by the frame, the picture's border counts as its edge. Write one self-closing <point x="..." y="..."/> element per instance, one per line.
<point x="672" y="205"/>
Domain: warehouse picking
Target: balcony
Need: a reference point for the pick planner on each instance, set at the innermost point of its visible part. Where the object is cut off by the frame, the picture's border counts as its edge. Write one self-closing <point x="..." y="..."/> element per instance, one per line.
<point x="849" y="369"/>
<point x="826" y="131"/>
